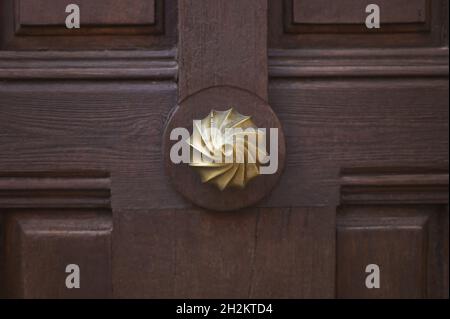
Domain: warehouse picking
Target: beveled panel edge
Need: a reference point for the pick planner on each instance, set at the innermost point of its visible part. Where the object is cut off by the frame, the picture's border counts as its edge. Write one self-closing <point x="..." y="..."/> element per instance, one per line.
<point x="323" y="63"/>
<point x="394" y="186"/>
<point x="65" y="190"/>
<point x="107" y="65"/>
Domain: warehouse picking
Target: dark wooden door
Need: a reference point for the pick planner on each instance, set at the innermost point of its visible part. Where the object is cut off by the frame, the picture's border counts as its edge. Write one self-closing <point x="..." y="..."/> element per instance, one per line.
<point x="363" y="174"/>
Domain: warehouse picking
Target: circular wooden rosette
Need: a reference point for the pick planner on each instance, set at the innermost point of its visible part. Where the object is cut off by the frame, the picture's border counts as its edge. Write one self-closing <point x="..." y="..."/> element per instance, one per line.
<point x="187" y="181"/>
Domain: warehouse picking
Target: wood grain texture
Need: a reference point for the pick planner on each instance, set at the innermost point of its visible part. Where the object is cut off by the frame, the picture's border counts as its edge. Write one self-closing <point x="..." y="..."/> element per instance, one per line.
<point x="117" y="17"/>
<point x="103" y="111"/>
<point x="349" y="16"/>
<point x="112" y="65"/>
<point x="363" y="123"/>
<point x="253" y="253"/>
<point x="39" y="246"/>
<point x="354" y="12"/>
<point x="79" y="126"/>
<point x="402" y="267"/>
<point x="99" y="12"/>
<point x="358" y="63"/>
<point x="55" y="189"/>
<point x="394" y="186"/>
<point x="328" y="125"/>
<point x="444" y="263"/>
<point x="284" y="33"/>
<point x="38" y="25"/>
<point x="406" y="242"/>
<point x="223" y="42"/>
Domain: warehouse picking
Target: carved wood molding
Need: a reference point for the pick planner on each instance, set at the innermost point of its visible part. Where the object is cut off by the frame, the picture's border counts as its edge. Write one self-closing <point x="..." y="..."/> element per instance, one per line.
<point x="55" y="190"/>
<point x="99" y="18"/>
<point x="372" y="186"/>
<point x="115" y="24"/>
<point x="404" y="240"/>
<point x="139" y="65"/>
<point x="304" y="23"/>
<point x="425" y="62"/>
<point x="348" y="16"/>
<point x="63" y="238"/>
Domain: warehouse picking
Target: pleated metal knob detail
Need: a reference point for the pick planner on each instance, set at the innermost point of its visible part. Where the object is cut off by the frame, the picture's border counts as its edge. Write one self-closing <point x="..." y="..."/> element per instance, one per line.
<point x="227" y="149"/>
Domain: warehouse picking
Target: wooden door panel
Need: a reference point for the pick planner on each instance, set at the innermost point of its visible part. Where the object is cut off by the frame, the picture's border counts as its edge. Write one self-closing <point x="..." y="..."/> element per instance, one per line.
<point x="82" y="178"/>
<point x="406" y="242"/>
<point x="253" y="253"/>
<point x="40" y="25"/>
<point x="353" y="12"/>
<point x="41" y="244"/>
<point x="116" y="12"/>
<point x="341" y="24"/>
<point x="331" y="125"/>
<point x="51" y="220"/>
<point x="379" y="130"/>
<point x="397" y="220"/>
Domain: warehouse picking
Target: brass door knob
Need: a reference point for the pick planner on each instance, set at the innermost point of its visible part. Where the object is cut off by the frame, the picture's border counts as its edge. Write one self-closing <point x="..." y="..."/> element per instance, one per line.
<point x="227" y="149"/>
<point x="236" y="151"/>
